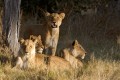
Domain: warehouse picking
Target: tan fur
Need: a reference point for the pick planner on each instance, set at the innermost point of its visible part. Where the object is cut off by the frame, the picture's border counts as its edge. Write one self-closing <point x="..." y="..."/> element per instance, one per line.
<point x="71" y="54"/>
<point x="73" y="61"/>
<point x="19" y="63"/>
<point x="33" y="60"/>
<point x="76" y="50"/>
<point x="27" y="46"/>
<point x="49" y="30"/>
<point x="39" y="46"/>
<point x="54" y="20"/>
<point x="53" y="62"/>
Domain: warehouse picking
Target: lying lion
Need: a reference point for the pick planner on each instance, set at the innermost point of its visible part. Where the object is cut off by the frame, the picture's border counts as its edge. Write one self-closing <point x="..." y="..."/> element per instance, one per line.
<point x="72" y="53"/>
<point x="33" y="60"/>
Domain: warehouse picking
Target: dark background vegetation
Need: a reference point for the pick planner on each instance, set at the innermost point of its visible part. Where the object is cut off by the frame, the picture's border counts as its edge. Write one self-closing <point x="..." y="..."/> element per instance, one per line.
<point x="56" y="5"/>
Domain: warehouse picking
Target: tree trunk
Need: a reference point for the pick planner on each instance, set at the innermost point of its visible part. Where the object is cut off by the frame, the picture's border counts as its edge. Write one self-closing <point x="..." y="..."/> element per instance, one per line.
<point x="11" y="24"/>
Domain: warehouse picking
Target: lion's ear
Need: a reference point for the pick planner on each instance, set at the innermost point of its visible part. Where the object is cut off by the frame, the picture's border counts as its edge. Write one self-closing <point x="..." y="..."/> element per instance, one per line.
<point x="75" y="43"/>
<point x="47" y="14"/>
<point x="62" y="15"/>
<point x="39" y="37"/>
<point x="21" y="41"/>
<point x="31" y="37"/>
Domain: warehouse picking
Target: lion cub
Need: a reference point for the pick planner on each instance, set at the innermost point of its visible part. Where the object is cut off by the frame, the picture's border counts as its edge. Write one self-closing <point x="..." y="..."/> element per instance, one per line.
<point x="39" y="46"/>
<point x="71" y="54"/>
<point x="54" y="21"/>
<point x="33" y="60"/>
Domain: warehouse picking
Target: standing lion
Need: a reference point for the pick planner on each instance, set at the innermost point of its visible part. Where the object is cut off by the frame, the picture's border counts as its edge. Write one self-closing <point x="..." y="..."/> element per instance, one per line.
<point x="54" y="21"/>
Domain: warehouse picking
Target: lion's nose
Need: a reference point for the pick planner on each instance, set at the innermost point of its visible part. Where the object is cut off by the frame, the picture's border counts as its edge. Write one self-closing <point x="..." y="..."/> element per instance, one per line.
<point x="54" y="23"/>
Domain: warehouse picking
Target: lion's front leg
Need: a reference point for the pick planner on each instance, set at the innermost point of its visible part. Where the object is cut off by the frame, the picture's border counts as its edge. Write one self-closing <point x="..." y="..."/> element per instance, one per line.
<point x="19" y="63"/>
<point x="53" y="51"/>
<point x="47" y="45"/>
<point x="46" y="49"/>
<point x="54" y="46"/>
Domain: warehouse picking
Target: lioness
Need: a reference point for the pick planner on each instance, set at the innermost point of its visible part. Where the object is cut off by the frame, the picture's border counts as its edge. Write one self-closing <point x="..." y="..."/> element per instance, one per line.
<point x="39" y="45"/>
<point x="54" y="21"/>
<point x="31" y="44"/>
<point x="76" y="50"/>
<point x="71" y="54"/>
<point x="75" y="63"/>
<point x="49" y="30"/>
<point x="33" y="60"/>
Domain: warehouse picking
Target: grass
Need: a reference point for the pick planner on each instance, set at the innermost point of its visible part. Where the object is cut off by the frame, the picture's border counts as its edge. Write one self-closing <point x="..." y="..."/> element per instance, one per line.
<point x="94" y="69"/>
<point x="99" y="69"/>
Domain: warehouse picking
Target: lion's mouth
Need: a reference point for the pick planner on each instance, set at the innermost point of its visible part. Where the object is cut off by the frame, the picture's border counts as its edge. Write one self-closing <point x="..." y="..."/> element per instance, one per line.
<point x="53" y="25"/>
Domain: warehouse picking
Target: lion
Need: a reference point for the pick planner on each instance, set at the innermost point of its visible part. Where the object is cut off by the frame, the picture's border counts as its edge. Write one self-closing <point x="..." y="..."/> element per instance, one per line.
<point x="39" y="45"/>
<point x="33" y="60"/>
<point x="75" y="63"/>
<point x="28" y="45"/>
<point x="54" y="21"/>
<point x="76" y="50"/>
<point x="71" y="54"/>
<point x="49" y="30"/>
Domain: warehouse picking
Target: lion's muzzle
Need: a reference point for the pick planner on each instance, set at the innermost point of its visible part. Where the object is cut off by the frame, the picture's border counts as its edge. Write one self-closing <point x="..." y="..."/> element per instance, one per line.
<point x="53" y="25"/>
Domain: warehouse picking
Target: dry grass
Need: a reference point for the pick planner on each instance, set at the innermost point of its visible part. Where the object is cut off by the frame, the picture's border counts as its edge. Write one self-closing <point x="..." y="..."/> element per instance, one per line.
<point x="99" y="69"/>
<point x="95" y="69"/>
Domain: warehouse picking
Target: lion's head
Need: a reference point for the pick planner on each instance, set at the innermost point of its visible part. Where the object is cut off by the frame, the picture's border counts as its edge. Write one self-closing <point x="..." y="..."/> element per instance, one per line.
<point x="78" y="50"/>
<point x="28" y="46"/>
<point x="54" y="20"/>
<point x="39" y="45"/>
